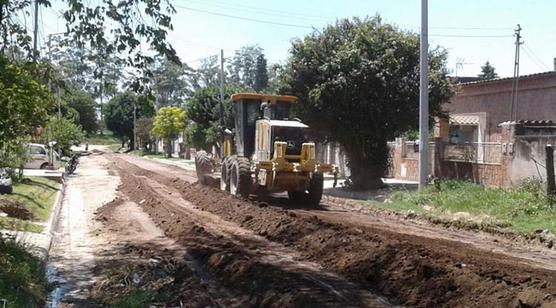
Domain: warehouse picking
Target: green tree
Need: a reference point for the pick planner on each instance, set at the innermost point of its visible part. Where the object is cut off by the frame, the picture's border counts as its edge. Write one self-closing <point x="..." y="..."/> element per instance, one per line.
<point x="168" y="123"/>
<point x="261" y="76"/>
<point x="358" y="84"/>
<point x="85" y="106"/>
<point x="243" y="67"/>
<point x="487" y="72"/>
<point x="203" y="109"/>
<point x="124" y="27"/>
<point x="275" y="72"/>
<point x="169" y="85"/>
<point x="207" y="75"/>
<point x="24" y="102"/>
<point x="64" y="132"/>
<point x="144" y="128"/>
<point x="118" y="114"/>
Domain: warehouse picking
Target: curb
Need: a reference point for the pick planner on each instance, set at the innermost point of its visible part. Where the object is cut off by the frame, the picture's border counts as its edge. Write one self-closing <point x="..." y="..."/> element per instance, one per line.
<point x="52" y="224"/>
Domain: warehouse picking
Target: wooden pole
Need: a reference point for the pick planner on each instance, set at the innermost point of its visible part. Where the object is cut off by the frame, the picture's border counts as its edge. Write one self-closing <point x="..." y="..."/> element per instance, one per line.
<point x="550" y="181"/>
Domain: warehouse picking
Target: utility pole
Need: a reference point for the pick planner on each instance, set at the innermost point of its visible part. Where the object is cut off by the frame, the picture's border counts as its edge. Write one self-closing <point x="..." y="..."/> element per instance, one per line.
<point x="515" y="83"/>
<point x="49" y="82"/>
<point x="222" y="102"/>
<point x="134" y="126"/>
<point x="424" y="98"/>
<point x="35" y="31"/>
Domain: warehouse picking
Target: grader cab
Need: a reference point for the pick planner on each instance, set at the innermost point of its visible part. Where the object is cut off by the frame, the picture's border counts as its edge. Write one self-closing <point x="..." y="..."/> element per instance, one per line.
<point x="269" y="152"/>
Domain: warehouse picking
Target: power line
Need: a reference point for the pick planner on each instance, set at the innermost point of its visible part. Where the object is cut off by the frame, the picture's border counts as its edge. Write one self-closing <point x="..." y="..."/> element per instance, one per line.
<point x="463" y="35"/>
<point x="530" y="53"/>
<point x="471" y="28"/>
<point x="244" y="18"/>
<point x="258" y="10"/>
<point x="311" y="27"/>
<point x="533" y="60"/>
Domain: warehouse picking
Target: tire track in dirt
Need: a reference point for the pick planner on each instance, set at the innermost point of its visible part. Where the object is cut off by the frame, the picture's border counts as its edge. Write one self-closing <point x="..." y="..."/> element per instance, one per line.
<point x="408" y="269"/>
<point x="249" y="265"/>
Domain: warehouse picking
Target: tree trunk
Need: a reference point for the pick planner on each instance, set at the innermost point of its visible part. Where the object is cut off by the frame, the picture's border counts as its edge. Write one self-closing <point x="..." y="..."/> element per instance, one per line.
<point x="367" y="165"/>
<point x="169" y="148"/>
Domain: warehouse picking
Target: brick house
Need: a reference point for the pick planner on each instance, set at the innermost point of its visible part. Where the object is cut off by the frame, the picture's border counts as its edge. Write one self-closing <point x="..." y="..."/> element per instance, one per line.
<point x="483" y="105"/>
<point x="478" y="142"/>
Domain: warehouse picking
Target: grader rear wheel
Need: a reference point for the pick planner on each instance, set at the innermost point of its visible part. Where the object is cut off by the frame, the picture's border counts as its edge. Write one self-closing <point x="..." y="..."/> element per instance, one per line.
<point x="225" y="173"/>
<point x="203" y="166"/>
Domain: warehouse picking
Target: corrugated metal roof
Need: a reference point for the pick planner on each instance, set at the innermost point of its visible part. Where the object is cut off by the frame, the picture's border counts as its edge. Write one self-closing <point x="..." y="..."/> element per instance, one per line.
<point x="537" y="75"/>
<point x="460" y="119"/>
<point x="536" y="122"/>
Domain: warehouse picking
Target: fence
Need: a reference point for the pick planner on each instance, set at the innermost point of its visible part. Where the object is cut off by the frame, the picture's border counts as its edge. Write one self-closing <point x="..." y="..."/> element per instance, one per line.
<point x="474" y="152"/>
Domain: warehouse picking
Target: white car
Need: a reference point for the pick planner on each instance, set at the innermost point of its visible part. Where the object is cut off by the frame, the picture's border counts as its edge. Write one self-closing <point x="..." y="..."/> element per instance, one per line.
<point x="41" y="157"/>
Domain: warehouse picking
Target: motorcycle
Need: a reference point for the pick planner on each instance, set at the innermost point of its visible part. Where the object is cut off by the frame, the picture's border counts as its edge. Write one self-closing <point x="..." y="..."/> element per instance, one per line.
<point x="72" y="164"/>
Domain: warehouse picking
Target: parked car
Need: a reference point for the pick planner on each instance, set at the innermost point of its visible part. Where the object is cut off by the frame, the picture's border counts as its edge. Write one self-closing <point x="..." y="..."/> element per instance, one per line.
<point x="5" y="182"/>
<point x="41" y="157"/>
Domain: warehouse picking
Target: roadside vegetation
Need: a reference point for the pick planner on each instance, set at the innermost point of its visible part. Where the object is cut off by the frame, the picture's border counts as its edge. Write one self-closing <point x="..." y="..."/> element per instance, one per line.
<point x="31" y="202"/>
<point x="22" y="281"/>
<point x="524" y="209"/>
<point x="107" y="138"/>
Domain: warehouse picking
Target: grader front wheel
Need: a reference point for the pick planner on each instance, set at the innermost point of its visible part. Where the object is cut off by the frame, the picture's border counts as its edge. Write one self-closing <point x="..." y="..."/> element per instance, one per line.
<point x="240" y="177"/>
<point x="315" y="189"/>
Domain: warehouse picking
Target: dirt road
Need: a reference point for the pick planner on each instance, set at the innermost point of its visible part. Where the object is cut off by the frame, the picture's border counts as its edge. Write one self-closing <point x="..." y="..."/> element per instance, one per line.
<point x="189" y="245"/>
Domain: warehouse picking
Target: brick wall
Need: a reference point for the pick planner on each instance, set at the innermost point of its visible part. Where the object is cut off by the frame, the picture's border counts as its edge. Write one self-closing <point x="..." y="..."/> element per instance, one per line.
<point x="485" y="174"/>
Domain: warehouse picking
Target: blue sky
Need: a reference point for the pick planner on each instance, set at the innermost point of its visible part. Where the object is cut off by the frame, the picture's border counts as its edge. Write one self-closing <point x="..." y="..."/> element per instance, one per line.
<point x="472" y="31"/>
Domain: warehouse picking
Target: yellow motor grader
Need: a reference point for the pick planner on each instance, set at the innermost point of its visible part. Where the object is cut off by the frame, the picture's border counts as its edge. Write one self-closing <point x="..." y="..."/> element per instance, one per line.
<point x="268" y="152"/>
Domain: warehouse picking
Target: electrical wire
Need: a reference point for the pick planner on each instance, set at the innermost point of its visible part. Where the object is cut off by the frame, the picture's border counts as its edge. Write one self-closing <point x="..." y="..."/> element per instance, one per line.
<point x="258" y="10"/>
<point x="311" y="27"/>
<point x="535" y="58"/>
<point x="243" y="18"/>
<point x="474" y="36"/>
<point x="538" y="63"/>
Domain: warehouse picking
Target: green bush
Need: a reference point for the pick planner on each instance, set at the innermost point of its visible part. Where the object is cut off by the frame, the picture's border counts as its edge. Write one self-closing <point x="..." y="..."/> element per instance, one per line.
<point x="22" y="281"/>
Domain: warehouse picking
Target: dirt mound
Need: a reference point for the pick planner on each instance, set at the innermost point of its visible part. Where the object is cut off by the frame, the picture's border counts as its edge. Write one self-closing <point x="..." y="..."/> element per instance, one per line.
<point x="234" y="267"/>
<point x="407" y="269"/>
<point x="15" y="209"/>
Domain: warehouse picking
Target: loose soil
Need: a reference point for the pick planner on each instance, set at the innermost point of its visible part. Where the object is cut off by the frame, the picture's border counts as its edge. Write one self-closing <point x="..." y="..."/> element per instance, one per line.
<point x="15" y="209"/>
<point x="272" y="253"/>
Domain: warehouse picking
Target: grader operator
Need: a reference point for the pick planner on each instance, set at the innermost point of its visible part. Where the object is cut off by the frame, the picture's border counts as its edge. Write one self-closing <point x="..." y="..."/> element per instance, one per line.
<point x="268" y="152"/>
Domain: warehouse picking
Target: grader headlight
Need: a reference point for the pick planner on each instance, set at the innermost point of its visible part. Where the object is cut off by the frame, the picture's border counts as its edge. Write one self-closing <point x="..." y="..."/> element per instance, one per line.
<point x="280" y="149"/>
<point x="308" y="151"/>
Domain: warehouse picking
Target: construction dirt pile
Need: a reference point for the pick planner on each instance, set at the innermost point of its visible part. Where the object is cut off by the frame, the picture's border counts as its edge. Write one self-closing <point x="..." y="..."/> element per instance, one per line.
<point x="405" y="269"/>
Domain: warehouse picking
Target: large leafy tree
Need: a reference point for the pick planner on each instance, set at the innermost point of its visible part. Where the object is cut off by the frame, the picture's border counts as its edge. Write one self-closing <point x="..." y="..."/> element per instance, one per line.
<point x="84" y="104"/>
<point x="123" y="27"/>
<point x="261" y="74"/>
<point x="487" y="72"/>
<point x="118" y="114"/>
<point x="358" y="84"/>
<point x="169" y="85"/>
<point x="203" y="109"/>
<point x="243" y="67"/>
<point x="143" y="130"/>
<point x="168" y="123"/>
<point x="24" y="102"/>
<point x="206" y="75"/>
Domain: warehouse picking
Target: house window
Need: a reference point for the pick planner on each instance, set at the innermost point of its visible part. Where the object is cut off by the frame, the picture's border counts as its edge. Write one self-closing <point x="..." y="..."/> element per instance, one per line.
<point x="463" y="134"/>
